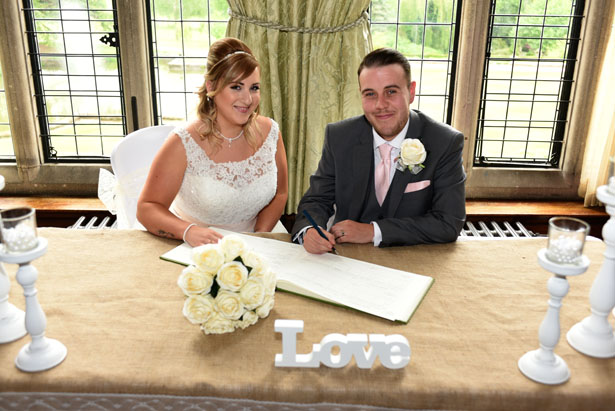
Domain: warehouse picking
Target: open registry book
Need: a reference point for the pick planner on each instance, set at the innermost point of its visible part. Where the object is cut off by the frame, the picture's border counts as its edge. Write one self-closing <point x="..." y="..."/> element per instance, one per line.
<point x="374" y="289"/>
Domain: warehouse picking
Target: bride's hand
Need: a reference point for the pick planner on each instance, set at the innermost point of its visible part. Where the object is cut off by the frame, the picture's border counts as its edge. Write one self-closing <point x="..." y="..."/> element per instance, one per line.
<point x="201" y="235"/>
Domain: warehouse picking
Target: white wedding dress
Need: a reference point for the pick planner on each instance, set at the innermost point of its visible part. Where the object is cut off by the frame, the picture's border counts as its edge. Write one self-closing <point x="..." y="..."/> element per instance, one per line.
<point x="227" y="195"/>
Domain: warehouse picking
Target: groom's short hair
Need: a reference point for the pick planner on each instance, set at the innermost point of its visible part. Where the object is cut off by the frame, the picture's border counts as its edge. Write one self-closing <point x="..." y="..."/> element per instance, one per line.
<point x="384" y="57"/>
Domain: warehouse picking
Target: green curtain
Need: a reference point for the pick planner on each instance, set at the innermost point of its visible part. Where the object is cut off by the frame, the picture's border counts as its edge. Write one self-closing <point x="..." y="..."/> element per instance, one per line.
<point x="308" y="74"/>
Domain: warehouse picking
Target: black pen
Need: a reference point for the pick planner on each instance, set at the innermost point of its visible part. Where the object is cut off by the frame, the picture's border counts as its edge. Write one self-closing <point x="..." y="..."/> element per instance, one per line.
<point x="318" y="230"/>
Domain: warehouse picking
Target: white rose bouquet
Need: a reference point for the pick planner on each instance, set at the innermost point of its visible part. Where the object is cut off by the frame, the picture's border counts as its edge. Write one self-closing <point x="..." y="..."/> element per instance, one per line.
<point x="411" y="156"/>
<point x="228" y="286"/>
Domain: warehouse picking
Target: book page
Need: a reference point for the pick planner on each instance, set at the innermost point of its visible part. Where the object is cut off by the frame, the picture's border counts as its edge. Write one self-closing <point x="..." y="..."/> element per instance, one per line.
<point x="374" y="289"/>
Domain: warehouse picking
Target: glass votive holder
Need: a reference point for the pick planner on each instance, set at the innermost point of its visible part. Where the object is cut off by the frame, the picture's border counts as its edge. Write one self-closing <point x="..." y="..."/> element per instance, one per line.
<point x="566" y="239"/>
<point x="18" y="228"/>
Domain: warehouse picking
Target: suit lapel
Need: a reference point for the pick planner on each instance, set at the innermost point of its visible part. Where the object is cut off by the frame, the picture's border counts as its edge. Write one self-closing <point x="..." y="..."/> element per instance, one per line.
<point x="363" y="153"/>
<point x="401" y="179"/>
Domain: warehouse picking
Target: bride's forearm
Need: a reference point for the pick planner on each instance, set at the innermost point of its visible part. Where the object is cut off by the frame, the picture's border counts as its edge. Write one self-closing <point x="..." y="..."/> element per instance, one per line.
<point x="160" y="221"/>
<point x="270" y="215"/>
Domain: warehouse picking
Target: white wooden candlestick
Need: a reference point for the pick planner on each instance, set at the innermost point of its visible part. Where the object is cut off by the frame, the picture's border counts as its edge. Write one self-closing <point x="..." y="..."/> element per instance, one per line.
<point x="12" y="325"/>
<point x="41" y="353"/>
<point x="543" y="365"/>
<point x="594" y="335"/>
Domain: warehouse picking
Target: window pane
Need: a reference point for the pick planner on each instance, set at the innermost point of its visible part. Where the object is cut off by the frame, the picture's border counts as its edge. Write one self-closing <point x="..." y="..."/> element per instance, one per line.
<point x="182" y="31"/>
<point x="77" y="77"/>
<point x="424" y="32"/>
<point x="531" y="52"/>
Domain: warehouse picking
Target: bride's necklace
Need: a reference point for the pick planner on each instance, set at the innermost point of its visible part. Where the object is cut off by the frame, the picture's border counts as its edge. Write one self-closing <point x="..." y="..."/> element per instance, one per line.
<point x="230" y="140"/>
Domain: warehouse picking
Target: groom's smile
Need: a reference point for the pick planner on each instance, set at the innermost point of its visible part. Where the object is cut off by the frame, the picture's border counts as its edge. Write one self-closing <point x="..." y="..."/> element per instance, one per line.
<point x="386" y="98"/>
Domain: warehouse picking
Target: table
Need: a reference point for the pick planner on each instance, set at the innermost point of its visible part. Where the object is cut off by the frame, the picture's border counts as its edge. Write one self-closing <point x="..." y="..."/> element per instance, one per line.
<point x="117" y="308"/>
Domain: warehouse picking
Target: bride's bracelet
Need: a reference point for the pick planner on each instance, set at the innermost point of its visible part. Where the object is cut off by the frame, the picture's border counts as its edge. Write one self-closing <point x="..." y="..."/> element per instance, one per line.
<point x="186" y="232"/>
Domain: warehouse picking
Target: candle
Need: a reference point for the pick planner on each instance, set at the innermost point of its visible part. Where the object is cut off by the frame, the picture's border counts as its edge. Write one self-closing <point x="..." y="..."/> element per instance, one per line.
<point x="566" y="240"/>
<point x="20" y="238"/>
<point x="18" y="228"/>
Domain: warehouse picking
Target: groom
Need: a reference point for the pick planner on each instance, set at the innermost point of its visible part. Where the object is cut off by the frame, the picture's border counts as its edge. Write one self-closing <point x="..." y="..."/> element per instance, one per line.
<point x="359" y="171"/>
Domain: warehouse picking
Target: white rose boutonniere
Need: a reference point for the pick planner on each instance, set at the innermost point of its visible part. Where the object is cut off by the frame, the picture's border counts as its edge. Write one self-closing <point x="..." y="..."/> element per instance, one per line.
<point x="229" y="286"/>
<point x="411" y="156"/>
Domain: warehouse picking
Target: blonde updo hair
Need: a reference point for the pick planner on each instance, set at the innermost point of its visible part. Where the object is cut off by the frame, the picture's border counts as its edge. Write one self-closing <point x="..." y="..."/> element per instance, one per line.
<point x="229" y="60"/>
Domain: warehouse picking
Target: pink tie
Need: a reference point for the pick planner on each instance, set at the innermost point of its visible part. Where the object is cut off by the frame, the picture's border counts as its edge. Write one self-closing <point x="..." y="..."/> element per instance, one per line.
<point x="382" y="172"/>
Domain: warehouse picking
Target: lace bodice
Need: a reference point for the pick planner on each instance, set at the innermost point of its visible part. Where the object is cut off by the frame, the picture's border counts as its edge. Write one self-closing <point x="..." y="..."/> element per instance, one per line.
<point x="227" y="195"/>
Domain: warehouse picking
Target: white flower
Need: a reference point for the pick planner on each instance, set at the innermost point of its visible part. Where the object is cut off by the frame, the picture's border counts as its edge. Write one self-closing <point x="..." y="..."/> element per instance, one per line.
<point x="252" y="293"/>
<point x="412" y="152"/>
<point x="269" y="280"/>
<point x="216" y="324"/>
<point x="249" y="318"/>
<point x="229" y="305"/>
<point x="412" y="155"/>
<point x="254" y="261"/>
<point x="198" y="308"/>
<point x="232" y="276"/>
<point x="194" y="281"/>
<point x="232" y="247"/>
<point x="265" y="308"/>
<point x="208" y="257"/>
<point x="246" y="286"/>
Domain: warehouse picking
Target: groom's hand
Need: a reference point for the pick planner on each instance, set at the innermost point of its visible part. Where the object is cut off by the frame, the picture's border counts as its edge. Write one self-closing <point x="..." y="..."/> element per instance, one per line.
<point x="315" y="244"/>
<point x="349" y="231"/>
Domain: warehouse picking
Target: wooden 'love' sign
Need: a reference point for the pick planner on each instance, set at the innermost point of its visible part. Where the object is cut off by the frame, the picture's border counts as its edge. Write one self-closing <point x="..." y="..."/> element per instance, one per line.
<point x="393" y="350"/>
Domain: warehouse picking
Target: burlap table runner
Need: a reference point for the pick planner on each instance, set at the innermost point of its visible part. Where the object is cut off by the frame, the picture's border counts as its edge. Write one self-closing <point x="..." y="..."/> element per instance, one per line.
<point x="116" y="306"/>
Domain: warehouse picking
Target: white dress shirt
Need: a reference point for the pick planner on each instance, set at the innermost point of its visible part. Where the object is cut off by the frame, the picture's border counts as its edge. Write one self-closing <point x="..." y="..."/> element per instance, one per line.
<point x="396" y="143"/>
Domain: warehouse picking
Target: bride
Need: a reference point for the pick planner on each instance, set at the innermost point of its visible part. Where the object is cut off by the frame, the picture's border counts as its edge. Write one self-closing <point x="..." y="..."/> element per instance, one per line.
<point x="225" y="169"/>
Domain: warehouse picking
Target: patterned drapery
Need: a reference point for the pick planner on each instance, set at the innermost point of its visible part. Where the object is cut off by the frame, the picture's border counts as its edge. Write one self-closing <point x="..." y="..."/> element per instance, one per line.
<point x="309" y="51"/>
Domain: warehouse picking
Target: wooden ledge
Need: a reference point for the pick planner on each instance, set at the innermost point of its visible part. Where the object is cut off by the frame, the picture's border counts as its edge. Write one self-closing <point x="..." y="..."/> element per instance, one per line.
<point x="534" y="215"/>
<point x="54" y="203"/>
<point x="474" y="208"/>
<point x="532" y="208"/>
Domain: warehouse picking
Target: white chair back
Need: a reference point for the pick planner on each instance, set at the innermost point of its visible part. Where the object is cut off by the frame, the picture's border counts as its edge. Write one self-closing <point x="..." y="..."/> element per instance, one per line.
<point x="131" y="159"/>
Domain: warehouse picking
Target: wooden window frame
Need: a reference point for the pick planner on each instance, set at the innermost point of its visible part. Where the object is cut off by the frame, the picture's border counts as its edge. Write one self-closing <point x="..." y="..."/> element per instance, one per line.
<point x="29" y="175"/>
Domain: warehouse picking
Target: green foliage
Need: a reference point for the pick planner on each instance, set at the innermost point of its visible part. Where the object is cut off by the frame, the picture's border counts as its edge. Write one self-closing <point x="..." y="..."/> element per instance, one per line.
<point x="189" y="9"/>
<point x="531" y="39"/>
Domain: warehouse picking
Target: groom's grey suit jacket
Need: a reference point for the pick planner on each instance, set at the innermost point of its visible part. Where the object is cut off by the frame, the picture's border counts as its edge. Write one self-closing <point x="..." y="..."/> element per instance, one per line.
<point x="428" y="207"/>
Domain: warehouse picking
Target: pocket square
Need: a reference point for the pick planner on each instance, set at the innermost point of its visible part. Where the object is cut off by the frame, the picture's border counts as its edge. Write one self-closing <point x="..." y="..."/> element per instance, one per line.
<point x="419" y="185"/>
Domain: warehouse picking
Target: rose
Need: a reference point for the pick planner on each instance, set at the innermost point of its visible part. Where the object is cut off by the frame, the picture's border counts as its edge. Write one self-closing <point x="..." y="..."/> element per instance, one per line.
<point x="252" y="293"/>
<point x="249" y="318"/>
<point x="265" y="308"/>
<point x="268" y="278"/>
<point x="198" y="308"/>
<point x="208" y="257"/>
<point x="232" y="247"/>
<point x="194" y="281"/>
<point x="412" y="152"/>
<point x="232" y="276"/>
<point x="270" y="281"/>
<point x="254" y="261"/>
<point x="217" y="324"/>
<point x="229" y="305"/>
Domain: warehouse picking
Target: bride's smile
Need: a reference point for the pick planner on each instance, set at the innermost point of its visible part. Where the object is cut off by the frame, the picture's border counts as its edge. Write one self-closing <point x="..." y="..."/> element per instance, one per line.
<point x="237" y="101"/>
